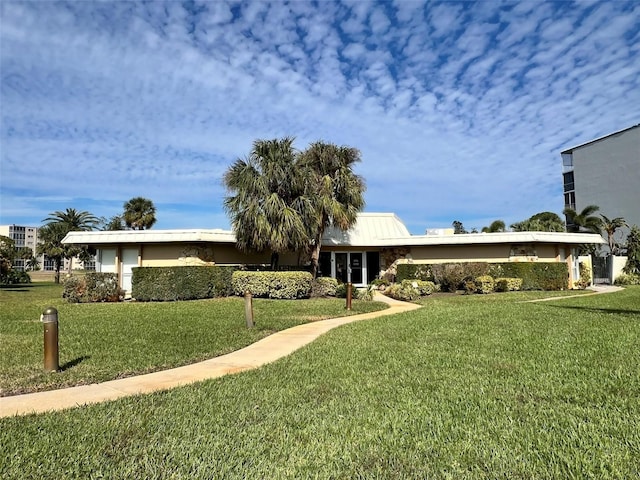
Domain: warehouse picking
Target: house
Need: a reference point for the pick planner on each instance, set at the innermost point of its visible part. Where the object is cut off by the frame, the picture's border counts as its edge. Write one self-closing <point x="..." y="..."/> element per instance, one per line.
<point x="376" y="243"/>
<point x="605" y="172"/>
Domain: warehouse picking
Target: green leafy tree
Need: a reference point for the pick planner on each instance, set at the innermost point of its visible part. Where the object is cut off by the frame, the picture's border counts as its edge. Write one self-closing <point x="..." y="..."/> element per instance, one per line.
<point x="496" y="226"/>
<point x="8" y="253"/>
<point x="114" y="223"/>
<point x="268" y="205"/>
<point x="139" y="213"/>
<point x="336" y="192"/>
<point x="633" y="252"/>
<point x="610" y="226"/>
<point x="584" y="221"/>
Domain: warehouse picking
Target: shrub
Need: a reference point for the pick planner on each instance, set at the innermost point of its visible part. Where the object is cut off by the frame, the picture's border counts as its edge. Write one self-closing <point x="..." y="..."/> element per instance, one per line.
<point x="380" y="283"/>
<point x="403" y="291"/>
<point x="507" y="284"/>
<point x="14" y="277"/>
<point x="92" y="287"/>
<point x="534" y="275"/>
<point x="585" y="276"/>
<point x="627" y="279"/>
<point x="279" y="285"/>
<point x="424" y="287"/>
<point x="341" y="291"/>
<point x="324" y="287"/>
<point x="413" y="271"/>
<point x="484" y="284"/>
<point x="162" y="284"/>
<point x="367" y="294"/>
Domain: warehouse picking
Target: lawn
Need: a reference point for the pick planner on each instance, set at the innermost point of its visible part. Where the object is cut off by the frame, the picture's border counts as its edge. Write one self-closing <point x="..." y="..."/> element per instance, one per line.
<point x="101" y="342"/>
<point x="468" y="387"/>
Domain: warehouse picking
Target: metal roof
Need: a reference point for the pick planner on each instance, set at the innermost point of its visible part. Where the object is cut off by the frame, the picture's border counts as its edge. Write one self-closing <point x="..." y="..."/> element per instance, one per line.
<point x="149" y="236"/>
<point x="570" y="150"/>
<point x="369" y="229"/>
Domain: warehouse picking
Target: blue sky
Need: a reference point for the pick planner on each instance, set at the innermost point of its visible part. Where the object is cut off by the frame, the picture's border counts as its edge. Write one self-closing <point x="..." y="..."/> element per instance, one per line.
<point x="460" y="109"/>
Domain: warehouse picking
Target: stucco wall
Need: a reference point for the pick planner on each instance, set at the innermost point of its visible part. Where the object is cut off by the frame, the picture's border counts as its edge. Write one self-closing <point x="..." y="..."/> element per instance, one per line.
<point x="480" y="253"/>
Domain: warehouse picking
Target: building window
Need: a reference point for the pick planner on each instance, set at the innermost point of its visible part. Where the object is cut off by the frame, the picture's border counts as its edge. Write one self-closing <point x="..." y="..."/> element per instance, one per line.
<point x="570" y="200"/>
<point x="523" y="252"/>
<point x="569" y="184"/>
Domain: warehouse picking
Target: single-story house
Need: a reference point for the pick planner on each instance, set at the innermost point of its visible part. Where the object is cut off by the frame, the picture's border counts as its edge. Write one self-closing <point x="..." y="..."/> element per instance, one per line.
<point x="376" y="243"/>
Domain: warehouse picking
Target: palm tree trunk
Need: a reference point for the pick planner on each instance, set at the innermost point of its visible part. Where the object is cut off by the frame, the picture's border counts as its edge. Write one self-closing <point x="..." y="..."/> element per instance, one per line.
<point x="275" y="258"/>
<point x="315" y="258"/>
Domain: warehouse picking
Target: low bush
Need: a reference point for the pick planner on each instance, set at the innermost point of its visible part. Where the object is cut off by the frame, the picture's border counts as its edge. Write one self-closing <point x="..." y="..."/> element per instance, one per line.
<point x="413" y="271"/>
<point x="324" y="287"/>
<point x="452" y="276"/>
<point x="277" y="285"/>
<point x="163" y="284"/>
<point x="507" y="284"/>
<point x="534" y="275"/>
<point x="341" y="292"/>
<point x="409" y="290"/>
<point x="14" y="277"/>
<point x="627" y="279"/>
<point x="92" y="287"/>
<point x="484" y="284"/>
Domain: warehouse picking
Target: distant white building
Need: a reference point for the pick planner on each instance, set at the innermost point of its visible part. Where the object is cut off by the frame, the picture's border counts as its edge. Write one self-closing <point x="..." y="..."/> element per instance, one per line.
<point x="605" y="172"/>
<point x="27" y="237"/>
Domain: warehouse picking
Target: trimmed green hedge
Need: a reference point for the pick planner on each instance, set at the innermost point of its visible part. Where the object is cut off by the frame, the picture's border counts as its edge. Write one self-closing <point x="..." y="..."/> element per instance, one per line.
<point x="166" y="284"/>
<point x="280" y="285"/>
<point x="534" y="275"/>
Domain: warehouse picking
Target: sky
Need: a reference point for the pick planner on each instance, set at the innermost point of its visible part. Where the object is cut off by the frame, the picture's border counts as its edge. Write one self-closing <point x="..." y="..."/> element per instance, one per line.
<point x="460" y="109"/>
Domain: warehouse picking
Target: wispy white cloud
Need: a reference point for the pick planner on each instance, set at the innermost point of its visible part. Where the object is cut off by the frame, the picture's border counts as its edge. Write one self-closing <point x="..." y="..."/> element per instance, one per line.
<point x="460" y="109"/>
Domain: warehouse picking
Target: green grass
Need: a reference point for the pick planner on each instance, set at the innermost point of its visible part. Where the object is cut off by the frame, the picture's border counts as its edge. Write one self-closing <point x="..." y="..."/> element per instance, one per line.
<point x="469" y="387"/>
<point x="99" y="342"/>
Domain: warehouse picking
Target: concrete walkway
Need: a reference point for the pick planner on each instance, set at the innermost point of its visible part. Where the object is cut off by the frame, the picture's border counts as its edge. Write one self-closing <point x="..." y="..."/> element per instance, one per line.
<point x="264" y="351"/>
<point x="595" y="290"/>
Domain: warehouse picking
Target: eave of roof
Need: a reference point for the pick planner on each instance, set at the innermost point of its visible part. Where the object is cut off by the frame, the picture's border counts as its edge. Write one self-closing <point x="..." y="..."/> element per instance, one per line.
<point x="149" y="236"/>
<point x="570" y="150"/>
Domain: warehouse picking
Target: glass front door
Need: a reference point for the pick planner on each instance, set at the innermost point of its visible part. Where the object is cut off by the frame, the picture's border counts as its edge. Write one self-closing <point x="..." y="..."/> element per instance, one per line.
<point x="342" y="267"/>
<point x="355" y="264"/>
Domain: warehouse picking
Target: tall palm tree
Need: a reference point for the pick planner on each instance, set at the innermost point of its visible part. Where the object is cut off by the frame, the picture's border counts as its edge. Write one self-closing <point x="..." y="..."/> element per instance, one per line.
<point x="73" y="220"/>
<point x="336" y="191"/>
<point x="50" y="244"/>
<point x="139" y="213"/>
<point x="268" y="206"/>
<point x="610" y="226"/>
<point x="585" y="221"/>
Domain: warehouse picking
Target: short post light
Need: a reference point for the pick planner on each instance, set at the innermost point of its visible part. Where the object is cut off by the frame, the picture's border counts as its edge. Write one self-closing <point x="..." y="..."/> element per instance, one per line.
<point x="349" y="295"/>
<point x="248" y="308"/>
<point x="49" y="319"/>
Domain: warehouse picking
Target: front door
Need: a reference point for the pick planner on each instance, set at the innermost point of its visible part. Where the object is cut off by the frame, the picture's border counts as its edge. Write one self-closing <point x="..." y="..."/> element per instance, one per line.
<point x="129" y="261"/>
<point x="355" y="265"/>
<point x="342" y="267"/>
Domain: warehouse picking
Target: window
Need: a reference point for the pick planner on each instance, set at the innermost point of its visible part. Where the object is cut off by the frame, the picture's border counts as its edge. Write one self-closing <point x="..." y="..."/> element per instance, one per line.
<point x="570" y="200"/>
<point x="569" y="184"/>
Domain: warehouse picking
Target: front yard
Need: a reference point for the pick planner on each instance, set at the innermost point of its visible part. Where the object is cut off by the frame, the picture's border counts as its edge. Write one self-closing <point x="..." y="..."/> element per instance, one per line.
<point x="469" y="387"/>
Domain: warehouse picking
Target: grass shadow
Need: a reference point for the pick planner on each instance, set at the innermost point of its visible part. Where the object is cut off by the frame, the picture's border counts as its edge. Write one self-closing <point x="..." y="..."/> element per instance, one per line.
<point x="74" y="362"/>
<point x="617" y="311"/>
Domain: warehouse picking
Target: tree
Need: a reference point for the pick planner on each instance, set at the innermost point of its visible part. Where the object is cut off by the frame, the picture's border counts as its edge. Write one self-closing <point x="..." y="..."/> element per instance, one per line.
<point x="540" y="222"/>
<point x="268" y="206"/>
<point x="139" y="213"/>
<point x="496" y="226"/>
<point x="59" y="224"/>
<point x="336" y="192"/>
<point x="50" y="244"/>
<point x="458" y="227"/>
<point x="633" y="251"/>
<point x="73" y="220"/>
<point x="8" y="253"/>
<point x="610" y="226"/>
<point x="114" y="223"/>
<point x="585" y="221"/>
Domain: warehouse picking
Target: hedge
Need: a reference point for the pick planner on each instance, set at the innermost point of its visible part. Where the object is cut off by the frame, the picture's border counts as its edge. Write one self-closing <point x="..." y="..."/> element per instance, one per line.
<point x="534" y="275"/>
<point x="281" y="285"/>
<point x="92" y="287"/>
<point x="165" y="284"/>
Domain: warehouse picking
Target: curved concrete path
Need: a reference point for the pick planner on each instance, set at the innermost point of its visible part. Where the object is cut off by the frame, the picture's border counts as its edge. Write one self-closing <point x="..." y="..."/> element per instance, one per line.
<point x="595" y="290"/>
<point x="267" y="350"/>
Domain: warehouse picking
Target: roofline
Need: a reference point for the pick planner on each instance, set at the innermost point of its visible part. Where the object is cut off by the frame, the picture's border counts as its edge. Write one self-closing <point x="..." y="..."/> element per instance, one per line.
<point x="570" y="150"/>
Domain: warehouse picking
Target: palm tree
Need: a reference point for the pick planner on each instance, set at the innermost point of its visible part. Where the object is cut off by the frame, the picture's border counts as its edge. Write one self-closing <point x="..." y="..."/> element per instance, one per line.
<point x="336" y="191"/>
<point x="50" y="244"/>
<point x="496" y="226"/>
<point x="610" y="226"/>
<point x="585" y="221"/>
<point x="73" y="220"/>
<point x="540" y="222"/>
<point x="139" y="213"/>
<point x="268" y="206"/>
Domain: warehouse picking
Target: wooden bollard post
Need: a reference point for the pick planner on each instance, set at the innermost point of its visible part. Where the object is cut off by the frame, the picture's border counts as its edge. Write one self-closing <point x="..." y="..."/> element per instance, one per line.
<point x="349" y="295"/>
<point x="248" y="309"/>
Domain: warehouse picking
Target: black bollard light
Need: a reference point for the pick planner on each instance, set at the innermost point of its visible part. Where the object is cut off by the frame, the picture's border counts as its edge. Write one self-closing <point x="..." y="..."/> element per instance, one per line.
<point x="349" y="295"/>
<point x="248" y="308"/>
<point x="49" y="320"/>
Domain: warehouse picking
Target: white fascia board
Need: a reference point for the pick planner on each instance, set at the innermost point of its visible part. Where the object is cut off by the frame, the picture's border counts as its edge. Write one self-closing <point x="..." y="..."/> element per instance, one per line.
<point x="148" y="236"/>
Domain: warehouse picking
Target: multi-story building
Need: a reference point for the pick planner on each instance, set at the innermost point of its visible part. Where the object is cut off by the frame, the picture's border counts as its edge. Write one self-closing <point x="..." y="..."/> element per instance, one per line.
<point x="605" y="172"/>
<point x="27" y="237"/>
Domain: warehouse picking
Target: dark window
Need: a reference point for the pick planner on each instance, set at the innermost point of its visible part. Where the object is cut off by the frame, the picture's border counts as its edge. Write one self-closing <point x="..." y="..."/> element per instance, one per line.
<point x="569" y="184"/>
